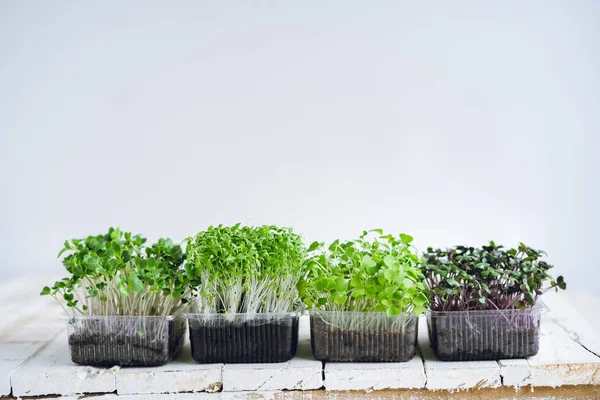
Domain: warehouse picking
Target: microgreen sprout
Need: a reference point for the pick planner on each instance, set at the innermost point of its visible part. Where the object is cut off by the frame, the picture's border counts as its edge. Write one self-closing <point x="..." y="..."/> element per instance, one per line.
<point x="487" y="278"/>
<point x="116" y="274"/>
<point x="243" y="269"/>
<point x="377" y="273"/>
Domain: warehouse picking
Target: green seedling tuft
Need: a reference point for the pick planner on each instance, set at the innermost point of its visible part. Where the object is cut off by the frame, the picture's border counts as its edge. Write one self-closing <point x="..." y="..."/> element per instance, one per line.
<point x="376" y="272"/>
<point x="116" y="274"/>
<point x="243" y="269"/>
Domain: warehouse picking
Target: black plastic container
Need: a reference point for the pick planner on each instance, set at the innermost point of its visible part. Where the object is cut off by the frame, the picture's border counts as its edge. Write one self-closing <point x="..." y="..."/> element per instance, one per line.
<point x="363" y="336"/>
<point x="105" y="341"/>
<point x="243" y="338"/>
<point x="485" y="335"/>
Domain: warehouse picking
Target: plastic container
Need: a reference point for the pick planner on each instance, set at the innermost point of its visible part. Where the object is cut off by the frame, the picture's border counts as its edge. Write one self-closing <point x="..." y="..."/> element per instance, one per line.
<point x="243" y="338"/>
<point x="106" y="341"/>
<point x="485" y="335"/>
<point x="363" y="336"/>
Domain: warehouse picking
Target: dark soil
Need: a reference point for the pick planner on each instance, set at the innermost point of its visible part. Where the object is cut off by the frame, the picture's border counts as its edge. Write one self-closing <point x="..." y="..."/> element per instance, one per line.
<point x="226" y="342"/>
<point x="483" y="338"/>
<point x="106" y="348"/>
<point x="330" y="343"/>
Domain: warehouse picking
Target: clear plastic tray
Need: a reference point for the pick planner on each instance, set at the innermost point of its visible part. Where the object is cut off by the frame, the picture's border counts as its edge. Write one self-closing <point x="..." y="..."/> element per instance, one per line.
<point x="363" y="336"/>
<point x="485" y="335"/>
<point x="243" y="338"/>
<point x="125" y="340"/>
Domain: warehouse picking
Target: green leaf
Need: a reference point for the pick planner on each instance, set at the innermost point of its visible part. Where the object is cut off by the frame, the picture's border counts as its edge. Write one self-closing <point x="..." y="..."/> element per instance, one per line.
<point x="67" y="247"/>
<point x="341" y="284"/>
<point x="135" y="284"/>
<point x="406" y="239"/>
<point x="367" y="261"/>
<point x="314" y="246"/>
<point x="390" y="261"/>
<point x="392" y="311"/>
<point x="372" y="270"/>
<point x="418" y="310"/>
<point x="324" y="284"/>
<point x="389" y="274"/>
<point x="339" y="299"/>
<point x="562" y="285"/>
<point x="420" y="299"/>
<point x="333" y="246"/>
<point x="452" y="282"/>
<point x="45" y="291"/>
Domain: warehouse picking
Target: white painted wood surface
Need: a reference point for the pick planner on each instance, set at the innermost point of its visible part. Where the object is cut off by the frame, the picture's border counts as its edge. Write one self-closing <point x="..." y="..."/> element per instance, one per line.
<point x="27" y="325"/>
<point x="51" y="372"/>
<point x="375" y="376"/>
<point x="303" y="372"/>
<point x="449" y="375"/>
<point x="515" y="373"/>
<point x="181" y="375"/>
<point x="35" y="360"/>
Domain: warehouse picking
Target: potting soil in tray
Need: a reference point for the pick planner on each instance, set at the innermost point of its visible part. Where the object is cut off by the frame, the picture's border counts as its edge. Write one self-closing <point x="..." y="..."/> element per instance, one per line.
<point x="461" y="338"/>
<point x="126" y="343"/>
<point x="374" y="344"/>
<point x="223" y="341"/>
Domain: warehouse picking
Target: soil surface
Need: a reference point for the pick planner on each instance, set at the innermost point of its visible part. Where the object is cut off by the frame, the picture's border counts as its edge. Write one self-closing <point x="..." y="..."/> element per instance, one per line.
<point x="224" y="342"/>
<point x="484" y="339"/>
<point x="107" y="349"/>
<point x="330" y="343"/>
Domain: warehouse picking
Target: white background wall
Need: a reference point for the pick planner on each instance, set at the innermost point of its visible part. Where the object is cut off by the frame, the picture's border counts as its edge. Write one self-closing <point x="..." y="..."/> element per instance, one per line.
<point x="457" y="122"/>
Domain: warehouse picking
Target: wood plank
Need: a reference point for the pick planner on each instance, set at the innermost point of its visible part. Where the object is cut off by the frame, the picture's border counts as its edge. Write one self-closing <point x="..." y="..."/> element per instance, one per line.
<point x="51" y="372"/>
<point x="181" y="375"/>
<point x="561" y="360"/>
<point x="375" y="376"/>
<point x="18" y="347"/>
<point x="367" y="376"/>
<point x="572" y="321"/>
<point x="301" y="373"/>
<point x="453" y="375"/>
<point x="20" y="342"/>
<point x="7" y="367"/>
<point x="515" y="373"/>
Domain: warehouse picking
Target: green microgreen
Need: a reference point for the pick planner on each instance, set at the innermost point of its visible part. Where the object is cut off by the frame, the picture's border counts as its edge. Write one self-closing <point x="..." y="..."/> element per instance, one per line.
<point x="486" y="278"/>
<point x="116" y="274"/>
<point x="243" y="269"/>
<point x="377" y="273"/>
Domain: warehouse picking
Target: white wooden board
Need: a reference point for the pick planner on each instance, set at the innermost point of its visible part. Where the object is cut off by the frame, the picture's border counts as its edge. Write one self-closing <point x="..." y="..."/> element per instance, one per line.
<point x="181" y="375"/>
<point x="561" y="360"/>
<point x="51" y="372"/>
<point x="24" y="330"/>
<point x="375" y="376"/>
<point x="303" y="372"/>
<point x="450" y="375"/>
